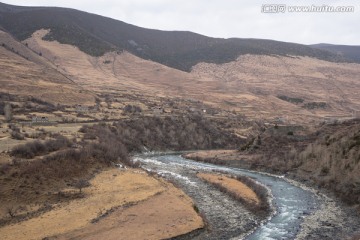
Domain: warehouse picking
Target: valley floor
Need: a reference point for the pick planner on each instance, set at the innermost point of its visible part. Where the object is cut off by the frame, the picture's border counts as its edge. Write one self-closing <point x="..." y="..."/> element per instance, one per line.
<point x="135" y="201"/>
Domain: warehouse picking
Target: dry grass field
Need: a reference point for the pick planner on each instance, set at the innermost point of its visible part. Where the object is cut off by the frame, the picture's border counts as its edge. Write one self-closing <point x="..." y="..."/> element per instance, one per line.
<point x="162" y="216"/>
<point x="251" y="85"/>
<point x="304" y="79"/>
<point x="293" y="89"/>
<point x="133" y="200"/>
<point x="22" y="77"/>
<point x="233" y="186"/>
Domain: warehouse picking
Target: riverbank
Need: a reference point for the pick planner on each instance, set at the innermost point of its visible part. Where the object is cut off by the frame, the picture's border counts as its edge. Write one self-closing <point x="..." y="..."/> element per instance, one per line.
<point x="331" y="220"/>
<point x="117" y="200"/>
<point x="224" y="215"/>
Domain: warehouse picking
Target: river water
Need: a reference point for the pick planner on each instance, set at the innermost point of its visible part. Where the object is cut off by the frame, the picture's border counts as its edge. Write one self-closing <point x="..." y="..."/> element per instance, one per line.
<point x="226" y="217"/>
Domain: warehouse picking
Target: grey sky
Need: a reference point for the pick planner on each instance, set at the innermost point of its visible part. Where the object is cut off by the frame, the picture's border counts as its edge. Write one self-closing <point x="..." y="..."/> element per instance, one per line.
<point x="227" y="18"/>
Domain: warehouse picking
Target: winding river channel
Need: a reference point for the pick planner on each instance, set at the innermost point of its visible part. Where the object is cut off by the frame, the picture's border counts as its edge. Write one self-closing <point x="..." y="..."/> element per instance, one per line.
<point x="297" y="211"/>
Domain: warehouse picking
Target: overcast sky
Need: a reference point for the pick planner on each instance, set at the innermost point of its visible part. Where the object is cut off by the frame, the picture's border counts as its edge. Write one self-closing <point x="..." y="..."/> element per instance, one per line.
<point x="227" y="18"/>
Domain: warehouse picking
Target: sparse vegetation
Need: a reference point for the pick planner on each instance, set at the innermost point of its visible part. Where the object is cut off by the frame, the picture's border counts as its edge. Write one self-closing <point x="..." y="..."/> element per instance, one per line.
<point x="169" y="133"/>
<point x="8" y="112"/>
<point x="39" y="105"/>
<point x="291" y="99"/>
<point x="15" y="132"/>
<point x="132" y="109"/>
<point x="328" y="157"/>
<point x="82" y="183"/>
<point x="36" y="148"/>
<point x="315" y="105"/>
<point x="17" y="135"/>
<point x="336" y="160"/>
<point x="11" y="211"/>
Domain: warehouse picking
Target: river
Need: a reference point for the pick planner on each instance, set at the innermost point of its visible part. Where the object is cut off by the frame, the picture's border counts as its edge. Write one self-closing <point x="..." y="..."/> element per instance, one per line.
<point x="295" y="208"/>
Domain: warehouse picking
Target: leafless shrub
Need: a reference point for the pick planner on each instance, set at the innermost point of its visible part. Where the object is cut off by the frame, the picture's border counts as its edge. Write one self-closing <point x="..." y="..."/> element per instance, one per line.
<point x="28" y="150"/>
<point x="82" y="183"/>
<point x="8" y="112"/>
<point x="36" y="148"/>
<point x="169" y="133"/>
<point x="13" y="127"/>
<point x="90" y="136"/>
<point x="132" y="109"/>
<point x="11" y="211"/>
<point x="17" y="135"/>
<point x="4" y="168"/>
<point x="332" y="151"/>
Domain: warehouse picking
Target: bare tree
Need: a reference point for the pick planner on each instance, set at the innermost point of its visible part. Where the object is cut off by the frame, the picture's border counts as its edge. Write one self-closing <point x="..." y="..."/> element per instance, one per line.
<point x="11" y="211"/>
<point x="8" y="112"/>
<point x="82" y="183"/>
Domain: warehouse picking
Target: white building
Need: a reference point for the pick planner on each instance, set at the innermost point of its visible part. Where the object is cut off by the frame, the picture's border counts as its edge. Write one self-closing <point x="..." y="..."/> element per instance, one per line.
<point x="37" y="119"/>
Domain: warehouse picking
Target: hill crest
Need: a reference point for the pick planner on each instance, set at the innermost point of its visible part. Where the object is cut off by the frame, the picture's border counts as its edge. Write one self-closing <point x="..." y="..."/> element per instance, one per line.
<point x="97" y="35"/>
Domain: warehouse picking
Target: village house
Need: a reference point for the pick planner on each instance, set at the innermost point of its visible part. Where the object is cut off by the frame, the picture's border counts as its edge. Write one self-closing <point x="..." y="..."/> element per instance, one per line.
<point x="158" y="110"/>
<point x="86" y="109"/>
<point x="82" y="109"/>
<point x="37" y="119"/>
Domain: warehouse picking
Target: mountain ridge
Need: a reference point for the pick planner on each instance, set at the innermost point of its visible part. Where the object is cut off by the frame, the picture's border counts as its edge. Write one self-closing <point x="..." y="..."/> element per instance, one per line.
<point x="97" y="35"/>
<point x="348" y="51"/>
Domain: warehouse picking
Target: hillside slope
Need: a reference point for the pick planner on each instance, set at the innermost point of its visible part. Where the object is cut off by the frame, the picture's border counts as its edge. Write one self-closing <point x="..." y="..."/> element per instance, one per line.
<point x="328" y="157"/>
<point x="260" y="87"/>
<point x="93" y="53"/>
<point x="350" y="52"/>
<point x="25" y="73"/>
<point x="96" y="35"/>
<point x="333" y="161"/>
<point x="285" y="86"/>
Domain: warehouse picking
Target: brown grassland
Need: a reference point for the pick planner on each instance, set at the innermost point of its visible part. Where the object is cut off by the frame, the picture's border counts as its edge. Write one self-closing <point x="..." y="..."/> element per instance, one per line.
<point x="133" y="201"/>
<point x="232" y="185"/>
<point x="299" y="89"/>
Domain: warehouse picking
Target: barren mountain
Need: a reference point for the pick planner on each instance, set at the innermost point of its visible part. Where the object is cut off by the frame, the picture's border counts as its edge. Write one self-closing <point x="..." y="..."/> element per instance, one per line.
<point x="261" y="79"/>
<point x="287" y="86"/>
<point x="261" y="87"/>
<point x="25" y="73"/>
<point x="97" y="35"/>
